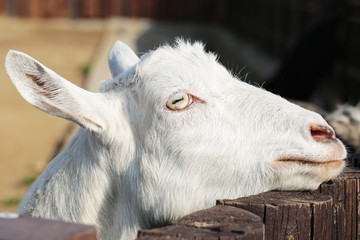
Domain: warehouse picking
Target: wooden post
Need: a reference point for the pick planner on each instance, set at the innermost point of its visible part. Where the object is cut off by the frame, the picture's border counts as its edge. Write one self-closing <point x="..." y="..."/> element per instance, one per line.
<point x="290" y="215"/>
<point x="219" y="222"/>
<point x="27" y="228"/>
<point x="345" y="193"/>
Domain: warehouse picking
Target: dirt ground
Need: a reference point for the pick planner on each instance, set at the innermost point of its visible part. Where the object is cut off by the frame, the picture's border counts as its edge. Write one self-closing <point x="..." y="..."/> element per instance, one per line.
<point x="28" y="136"/>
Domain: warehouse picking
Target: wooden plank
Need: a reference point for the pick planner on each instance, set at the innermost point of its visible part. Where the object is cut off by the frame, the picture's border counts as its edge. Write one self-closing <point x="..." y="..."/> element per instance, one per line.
<point x="2" y="7"/>
<point x="42" y="9"/>
<point x="27" y="228"/>
<point x="290" y="215"/>
<point x="21" y="8"/>
<point x="111" y="8"/>
<point x="89" y="8"/>
<point x="220" y="222"/>
<point x="29" y="8"/>
<point x="141" y="8"/>
<point x="36" y="8"/>
<point x="56" y="8"/>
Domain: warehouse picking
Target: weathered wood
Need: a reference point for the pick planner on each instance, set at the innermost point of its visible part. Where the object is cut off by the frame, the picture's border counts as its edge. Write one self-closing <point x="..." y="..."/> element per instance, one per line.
<point x="55" y="8"/>
<point x="89" y="8"/>
<point x="220" y="222"/>
<point x="112" y="8"/>
<point x="346" y="212"/>
<point x="27" y="228"/>
<point x="41" y="9"/>
<point x="204" y="10"/>
<point x="290" y="215"/>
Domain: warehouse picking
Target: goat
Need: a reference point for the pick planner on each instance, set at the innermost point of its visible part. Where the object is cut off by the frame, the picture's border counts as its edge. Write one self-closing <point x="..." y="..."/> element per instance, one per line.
<point x="169" y="134"/>
<point x="345" y="119"/>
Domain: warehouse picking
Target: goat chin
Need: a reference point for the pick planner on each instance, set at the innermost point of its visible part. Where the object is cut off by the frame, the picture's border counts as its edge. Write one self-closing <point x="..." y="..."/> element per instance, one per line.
<point x="311" y="175"/>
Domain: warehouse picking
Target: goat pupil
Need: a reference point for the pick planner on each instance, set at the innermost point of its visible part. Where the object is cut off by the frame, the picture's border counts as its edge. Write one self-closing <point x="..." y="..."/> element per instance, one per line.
<point x="177" y="100"/>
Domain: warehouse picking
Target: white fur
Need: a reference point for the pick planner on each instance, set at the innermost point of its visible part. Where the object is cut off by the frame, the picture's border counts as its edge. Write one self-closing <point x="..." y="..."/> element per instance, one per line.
<point x="346" y="122"/>
<point x="121" y="57"/>
<point x="136" y="164"/>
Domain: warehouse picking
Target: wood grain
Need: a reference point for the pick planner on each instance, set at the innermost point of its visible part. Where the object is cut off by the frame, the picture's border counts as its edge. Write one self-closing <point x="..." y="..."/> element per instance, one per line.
<point x="27" y="228"/>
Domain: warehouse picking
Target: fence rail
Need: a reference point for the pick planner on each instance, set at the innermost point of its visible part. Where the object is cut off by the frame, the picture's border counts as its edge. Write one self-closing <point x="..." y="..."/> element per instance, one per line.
<point x="27" y="228"/>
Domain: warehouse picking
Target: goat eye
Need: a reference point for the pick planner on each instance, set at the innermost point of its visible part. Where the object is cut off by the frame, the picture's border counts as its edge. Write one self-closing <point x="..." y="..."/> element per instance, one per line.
<point x="179" y="101"/>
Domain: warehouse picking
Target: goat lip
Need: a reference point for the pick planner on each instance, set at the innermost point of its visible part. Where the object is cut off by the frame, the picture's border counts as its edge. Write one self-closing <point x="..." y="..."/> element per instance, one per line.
<point x="331" y="163"/>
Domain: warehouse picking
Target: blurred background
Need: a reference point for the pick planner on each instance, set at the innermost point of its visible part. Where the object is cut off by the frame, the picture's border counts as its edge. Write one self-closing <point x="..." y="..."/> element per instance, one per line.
<point x="304" y="50"/>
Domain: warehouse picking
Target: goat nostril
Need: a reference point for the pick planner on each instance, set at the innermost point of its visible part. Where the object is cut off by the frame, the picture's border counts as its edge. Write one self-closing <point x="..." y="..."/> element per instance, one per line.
<point x="321" y="133"/>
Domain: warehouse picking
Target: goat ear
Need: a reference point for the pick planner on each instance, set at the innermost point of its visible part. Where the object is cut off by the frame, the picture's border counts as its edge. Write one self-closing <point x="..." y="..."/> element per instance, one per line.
<point x="121" y="57"/>
<point x="51" y="93"/>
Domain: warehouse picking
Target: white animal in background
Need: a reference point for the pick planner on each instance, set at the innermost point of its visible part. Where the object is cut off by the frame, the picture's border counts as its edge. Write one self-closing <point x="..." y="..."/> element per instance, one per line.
<point x="171" y="132"/>
<point x="345" y="119"/>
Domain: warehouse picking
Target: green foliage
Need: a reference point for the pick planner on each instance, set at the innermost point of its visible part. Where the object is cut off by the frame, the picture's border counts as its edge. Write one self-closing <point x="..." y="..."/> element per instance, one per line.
<point x="27" y="181"/>
<point x="12" y="201"/>
<point x="85" y="69"/>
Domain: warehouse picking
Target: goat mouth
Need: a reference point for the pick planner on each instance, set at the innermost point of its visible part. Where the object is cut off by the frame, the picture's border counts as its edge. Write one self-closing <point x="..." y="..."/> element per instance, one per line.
<point x="331" y="163"/>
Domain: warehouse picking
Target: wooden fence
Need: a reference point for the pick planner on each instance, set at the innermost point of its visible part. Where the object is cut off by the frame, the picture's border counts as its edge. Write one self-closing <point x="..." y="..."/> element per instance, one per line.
<point x="205" y="10"/>
<point x="27" y="228"/>
<point x="331" y="212"/>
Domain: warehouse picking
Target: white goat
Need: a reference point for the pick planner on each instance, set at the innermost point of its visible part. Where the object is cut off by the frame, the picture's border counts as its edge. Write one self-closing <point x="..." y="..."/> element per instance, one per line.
<point x="168" y="135"/>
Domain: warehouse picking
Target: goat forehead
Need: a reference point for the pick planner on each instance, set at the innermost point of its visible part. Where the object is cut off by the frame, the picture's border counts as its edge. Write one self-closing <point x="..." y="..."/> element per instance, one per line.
<point x="184" y="56"/>
<point x="164" y="75"/>
<point x="182" y="51"/>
